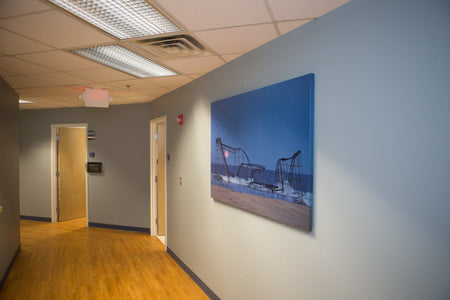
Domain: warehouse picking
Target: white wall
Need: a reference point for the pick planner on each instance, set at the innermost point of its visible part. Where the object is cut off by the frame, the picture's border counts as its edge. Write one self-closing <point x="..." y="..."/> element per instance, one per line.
<point x="382" y="109"/>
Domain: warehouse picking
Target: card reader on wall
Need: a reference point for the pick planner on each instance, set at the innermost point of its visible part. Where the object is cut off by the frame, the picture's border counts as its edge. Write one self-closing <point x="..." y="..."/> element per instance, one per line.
<point x="94" y="167"/>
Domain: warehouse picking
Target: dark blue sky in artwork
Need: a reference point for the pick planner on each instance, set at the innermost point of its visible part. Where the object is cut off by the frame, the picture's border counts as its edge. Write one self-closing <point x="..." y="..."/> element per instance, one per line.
<point x="268" y="123"/>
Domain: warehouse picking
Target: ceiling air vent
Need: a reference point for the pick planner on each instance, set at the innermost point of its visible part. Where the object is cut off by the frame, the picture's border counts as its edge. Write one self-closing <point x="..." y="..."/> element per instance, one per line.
<point x="174" y="46"/>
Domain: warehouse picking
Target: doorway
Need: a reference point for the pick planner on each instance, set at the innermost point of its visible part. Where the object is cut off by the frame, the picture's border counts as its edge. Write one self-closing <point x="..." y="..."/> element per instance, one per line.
<point x="158" y="214"/>
<point x="69" y="178"/>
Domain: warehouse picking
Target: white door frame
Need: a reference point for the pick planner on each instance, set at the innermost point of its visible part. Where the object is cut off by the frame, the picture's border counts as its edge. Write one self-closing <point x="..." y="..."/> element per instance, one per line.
<point x="54" y="165"/>
<point x="153" y="174"/>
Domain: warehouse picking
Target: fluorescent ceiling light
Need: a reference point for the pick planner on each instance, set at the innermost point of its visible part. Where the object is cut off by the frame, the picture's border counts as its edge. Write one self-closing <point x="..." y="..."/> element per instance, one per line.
<point x="122" y="18"/>
<point x="124" y="60"/>
<point x="25" y="101"/>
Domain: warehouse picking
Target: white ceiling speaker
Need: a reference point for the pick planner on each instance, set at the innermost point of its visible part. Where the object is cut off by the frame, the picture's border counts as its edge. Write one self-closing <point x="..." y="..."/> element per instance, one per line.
<point x="95" y="97"/>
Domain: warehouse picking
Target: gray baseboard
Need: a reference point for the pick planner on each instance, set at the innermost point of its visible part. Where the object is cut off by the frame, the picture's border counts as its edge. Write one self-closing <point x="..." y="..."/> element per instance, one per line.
<point x="119" y="227"/>
<point x="209" y="292"/>
<point x="5" y="276"/>
<point x="33" y="218"/>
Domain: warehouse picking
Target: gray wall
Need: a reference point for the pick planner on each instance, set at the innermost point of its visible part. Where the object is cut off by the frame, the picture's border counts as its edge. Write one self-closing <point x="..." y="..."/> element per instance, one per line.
<point x="382" y="110"/>
<point x="9" y="175"/>
<point x="120" y="196"/>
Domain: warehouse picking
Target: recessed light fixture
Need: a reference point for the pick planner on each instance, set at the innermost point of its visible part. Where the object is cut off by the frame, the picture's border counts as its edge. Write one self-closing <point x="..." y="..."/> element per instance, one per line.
<point x="25" y="101"/>
<point x="123" y="19"/>
<point x="124" y="60"/>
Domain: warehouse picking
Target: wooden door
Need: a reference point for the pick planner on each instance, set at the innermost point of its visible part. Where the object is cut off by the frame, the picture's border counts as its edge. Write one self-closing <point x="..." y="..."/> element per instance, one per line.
<point x="161" y="173"/>
<point x="72" y="173"/>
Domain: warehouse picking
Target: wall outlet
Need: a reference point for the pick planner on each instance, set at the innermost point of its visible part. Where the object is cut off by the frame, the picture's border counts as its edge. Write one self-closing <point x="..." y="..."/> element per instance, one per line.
<point x="180" y="181"/>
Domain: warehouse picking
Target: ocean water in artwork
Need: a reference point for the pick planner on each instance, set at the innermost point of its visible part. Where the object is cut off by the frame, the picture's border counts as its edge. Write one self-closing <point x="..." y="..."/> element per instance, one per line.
<point x="265" y="184"/>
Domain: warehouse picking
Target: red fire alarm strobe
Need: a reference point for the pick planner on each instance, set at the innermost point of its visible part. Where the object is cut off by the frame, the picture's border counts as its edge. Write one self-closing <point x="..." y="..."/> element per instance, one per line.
<point x="180" y="119"/>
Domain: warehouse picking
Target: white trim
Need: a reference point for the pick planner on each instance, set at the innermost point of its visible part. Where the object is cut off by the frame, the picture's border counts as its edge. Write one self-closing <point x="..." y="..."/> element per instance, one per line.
<point x="153" y="173"/>
<point x="53" y="166"/>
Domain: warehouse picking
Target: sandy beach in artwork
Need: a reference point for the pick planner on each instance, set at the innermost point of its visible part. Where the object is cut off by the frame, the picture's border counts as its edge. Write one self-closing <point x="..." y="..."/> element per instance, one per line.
<point x="289" y="213"/>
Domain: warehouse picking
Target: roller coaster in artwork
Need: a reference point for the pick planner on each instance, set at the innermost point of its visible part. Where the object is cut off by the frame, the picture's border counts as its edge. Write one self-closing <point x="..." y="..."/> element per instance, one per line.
<point x="238" y="169"/>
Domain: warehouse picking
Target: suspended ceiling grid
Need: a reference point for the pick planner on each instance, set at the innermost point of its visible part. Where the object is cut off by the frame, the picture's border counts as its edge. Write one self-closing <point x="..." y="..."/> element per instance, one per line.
<point x="35" y="37"/>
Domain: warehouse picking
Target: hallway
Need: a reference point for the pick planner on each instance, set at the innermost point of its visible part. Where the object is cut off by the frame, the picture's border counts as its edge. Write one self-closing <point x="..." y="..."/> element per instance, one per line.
<point x="68" y="260"/>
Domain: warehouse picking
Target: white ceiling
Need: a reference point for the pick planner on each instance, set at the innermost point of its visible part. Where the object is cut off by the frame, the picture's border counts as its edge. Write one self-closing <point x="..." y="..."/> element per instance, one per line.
<point x="35" y="37"/>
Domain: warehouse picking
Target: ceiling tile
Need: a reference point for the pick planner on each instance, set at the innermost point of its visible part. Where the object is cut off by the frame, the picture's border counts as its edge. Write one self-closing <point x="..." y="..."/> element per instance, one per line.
<point x="238" y="39"/>
<point x="56" y="29"/>
<point x="127" y="97"/>
<point x="170" y="82"/>
<point x="20" y="67"/>
<point x="125" y="94"/>
<point x="19" y="7"/>
<point x="25" y="82"/>
<point x="106" y="86"/>
<point x="65" y="98"/>
<point x="29" y="29"/>
<point x="6" y="73"/>
<point x="11" y="43"/>
<point x="135" y="84"/>
<point x="295" y="9"/>
<point x="195" y="65"/>
<point x="285" y="27"/>
<point x="207" y="14"/>
<point x="48" y="91"/>
<point x="102" y="74"/>
<point x="157" y="92"/>
<point x="58" y="98"/>
<point x="59" y="78"/>
<point x="195" y="76"/>
<point x="54" y="101"/>
<point x="60" y="60"/>
<point x="143" y="99"/>
<point x="29" y="106"/>
<point x="99" y="85"/>
<point x="230" y="57"/>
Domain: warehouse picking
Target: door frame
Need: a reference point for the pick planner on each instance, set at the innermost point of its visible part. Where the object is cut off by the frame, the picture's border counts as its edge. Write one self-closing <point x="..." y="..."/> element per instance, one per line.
<point x="54" y="166"/>
<point x="153" y="174"/>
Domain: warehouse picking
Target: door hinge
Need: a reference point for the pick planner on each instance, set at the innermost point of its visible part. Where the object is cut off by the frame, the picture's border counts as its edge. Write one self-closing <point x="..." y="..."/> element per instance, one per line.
<point x="57" y="138"/>
<point x="156" y="178"/>
<point x="57" y="174"/>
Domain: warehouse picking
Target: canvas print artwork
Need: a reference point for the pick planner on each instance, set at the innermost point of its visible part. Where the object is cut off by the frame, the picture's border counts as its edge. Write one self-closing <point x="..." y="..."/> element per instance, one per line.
<point x="262" y="151"/>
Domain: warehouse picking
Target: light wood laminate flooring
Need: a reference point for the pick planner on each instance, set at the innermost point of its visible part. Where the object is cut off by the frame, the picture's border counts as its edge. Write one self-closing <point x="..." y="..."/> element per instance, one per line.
<point x="68" y="260"/>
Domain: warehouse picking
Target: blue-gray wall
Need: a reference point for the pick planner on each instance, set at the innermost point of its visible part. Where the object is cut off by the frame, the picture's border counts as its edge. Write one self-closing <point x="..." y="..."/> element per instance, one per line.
<point x="9" y="175"/>
<point x="382" y="111"/>
<point x="120" y="196"/>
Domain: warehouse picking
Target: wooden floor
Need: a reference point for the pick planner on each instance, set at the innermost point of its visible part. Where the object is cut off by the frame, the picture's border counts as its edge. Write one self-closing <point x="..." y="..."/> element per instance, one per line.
<point x="67" y="260"/>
